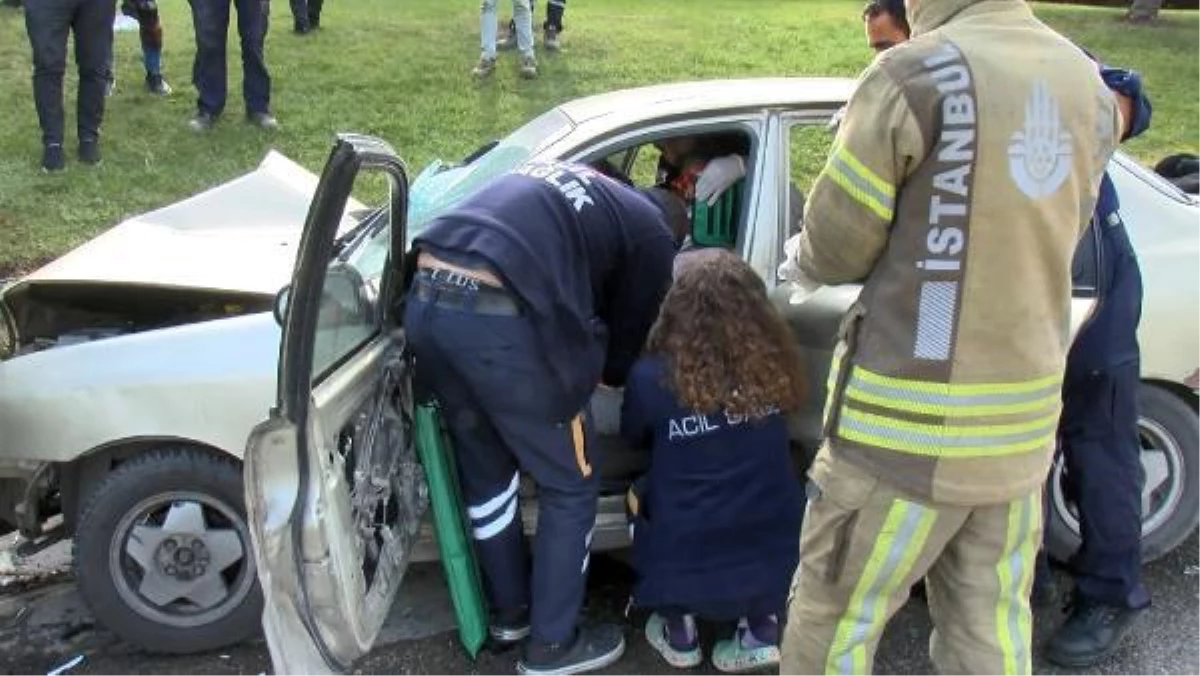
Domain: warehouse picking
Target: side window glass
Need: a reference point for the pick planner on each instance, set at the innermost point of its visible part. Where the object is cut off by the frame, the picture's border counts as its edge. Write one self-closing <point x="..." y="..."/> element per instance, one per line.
<point x="808" y="147"/>
<point x="349" y="315"/>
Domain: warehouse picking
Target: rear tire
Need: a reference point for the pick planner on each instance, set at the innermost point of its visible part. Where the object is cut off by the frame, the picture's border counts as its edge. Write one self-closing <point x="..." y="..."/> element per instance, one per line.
<point x="163" y="555"/>
<point x="1170" y="436"/>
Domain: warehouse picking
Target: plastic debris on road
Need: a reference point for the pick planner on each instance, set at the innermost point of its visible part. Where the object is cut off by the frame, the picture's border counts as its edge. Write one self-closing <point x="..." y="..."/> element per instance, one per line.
<point x="64" y="668"/>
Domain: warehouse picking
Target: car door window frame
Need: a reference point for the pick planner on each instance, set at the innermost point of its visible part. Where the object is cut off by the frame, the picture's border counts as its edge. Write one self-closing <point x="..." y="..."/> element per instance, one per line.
<point x="753" y="124"/>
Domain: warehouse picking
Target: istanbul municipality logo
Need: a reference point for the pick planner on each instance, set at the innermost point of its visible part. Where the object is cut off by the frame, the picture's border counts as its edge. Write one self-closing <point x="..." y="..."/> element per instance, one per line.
<point x="1039" y="155"/>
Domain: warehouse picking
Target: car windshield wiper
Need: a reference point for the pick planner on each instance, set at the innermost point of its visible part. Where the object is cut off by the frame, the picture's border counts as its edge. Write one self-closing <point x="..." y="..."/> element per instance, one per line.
<point x="343" y="244"/>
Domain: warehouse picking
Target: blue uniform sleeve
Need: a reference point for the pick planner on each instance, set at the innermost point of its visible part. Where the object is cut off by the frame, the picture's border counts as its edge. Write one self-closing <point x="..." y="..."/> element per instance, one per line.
<point x="1129" y="83"/>
<point x="636" y="427"/>
<point x="632" y="310"/>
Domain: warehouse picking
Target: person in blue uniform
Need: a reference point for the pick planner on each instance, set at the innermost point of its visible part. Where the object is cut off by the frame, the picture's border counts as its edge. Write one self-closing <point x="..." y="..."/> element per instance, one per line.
<point x="1098" y="430"/>
<point x="717" y="515"/>
<point x="536" y="289"/>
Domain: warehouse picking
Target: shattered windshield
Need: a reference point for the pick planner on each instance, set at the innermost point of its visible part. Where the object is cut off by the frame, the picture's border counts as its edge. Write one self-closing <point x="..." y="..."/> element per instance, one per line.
<point x="440" y="185"/>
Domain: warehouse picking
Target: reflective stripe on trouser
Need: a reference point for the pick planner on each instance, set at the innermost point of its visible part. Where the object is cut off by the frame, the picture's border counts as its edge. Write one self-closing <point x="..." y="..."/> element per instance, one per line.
<point x="865" y="544"/>
<point x="497" y="398"/>
<point x="949" y="420"/>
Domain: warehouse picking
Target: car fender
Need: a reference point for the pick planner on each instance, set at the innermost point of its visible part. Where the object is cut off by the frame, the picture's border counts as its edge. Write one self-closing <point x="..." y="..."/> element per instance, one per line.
<point x="209" y="382"/>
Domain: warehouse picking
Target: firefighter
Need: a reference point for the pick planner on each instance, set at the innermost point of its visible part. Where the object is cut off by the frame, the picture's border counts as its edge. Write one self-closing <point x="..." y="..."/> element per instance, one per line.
<point x="1098" y="432"/>
<point x="536" y="289"/>
<point x="958" y="185"/>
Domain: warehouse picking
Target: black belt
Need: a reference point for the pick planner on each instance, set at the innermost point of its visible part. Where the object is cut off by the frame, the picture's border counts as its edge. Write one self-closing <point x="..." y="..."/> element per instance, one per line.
<point x="456" y="291"/>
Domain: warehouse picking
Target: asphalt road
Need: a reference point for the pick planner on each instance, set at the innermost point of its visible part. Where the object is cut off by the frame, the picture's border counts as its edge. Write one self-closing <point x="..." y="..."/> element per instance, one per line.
<point x="46" y="626"/>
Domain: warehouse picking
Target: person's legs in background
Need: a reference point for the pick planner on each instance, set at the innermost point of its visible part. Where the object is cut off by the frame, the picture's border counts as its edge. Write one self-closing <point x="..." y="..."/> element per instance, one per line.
<point x="553" y="24"/>
<point x="210" y="21"/>
<point x="92" y="25"/>
<point x="48" y="22"/>
<point x="256" y="81"/>
<point x="487" y="39"/>
<point x="523" y="17"/>
<point x="151" y="35"/>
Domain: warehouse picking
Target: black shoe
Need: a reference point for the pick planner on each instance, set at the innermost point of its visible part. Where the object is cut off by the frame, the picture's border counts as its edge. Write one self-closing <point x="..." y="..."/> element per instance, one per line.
<point x="301" y="28"/>
<point x="52" y="157"/>
<point x="314" y="22"/>
<point x="155" y="84"/>
<point x="1092" y="632"/>
<point x="509" y="626"/>
<point x="262" y="120"/>
<point x="593" y="648"/>
<point x="89" y="151"/>
<point x="202" y="121"/>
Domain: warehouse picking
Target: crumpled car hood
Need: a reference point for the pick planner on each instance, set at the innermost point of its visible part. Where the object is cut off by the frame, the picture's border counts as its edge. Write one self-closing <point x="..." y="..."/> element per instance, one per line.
<point x="239" y="236"/>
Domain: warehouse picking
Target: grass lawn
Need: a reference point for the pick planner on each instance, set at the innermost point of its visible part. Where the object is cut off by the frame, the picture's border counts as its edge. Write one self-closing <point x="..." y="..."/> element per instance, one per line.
<point x="400" y="69"/>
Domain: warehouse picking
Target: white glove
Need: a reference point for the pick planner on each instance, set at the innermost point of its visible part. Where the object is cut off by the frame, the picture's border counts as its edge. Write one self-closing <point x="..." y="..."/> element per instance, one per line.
<point x="836" y="120"/>
<point x="789" y="271"/>
<point x="718" y="175"/>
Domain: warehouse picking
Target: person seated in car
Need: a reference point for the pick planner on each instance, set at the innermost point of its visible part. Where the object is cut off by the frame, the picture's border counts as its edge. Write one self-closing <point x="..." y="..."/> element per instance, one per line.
<point x="702" y="167"/>
<point x="716" y="518"/>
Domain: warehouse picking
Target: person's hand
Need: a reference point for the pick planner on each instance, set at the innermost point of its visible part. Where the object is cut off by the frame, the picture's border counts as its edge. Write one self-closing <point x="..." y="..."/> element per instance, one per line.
<point x="789" y="271"/>
<point x="718" y="175"/>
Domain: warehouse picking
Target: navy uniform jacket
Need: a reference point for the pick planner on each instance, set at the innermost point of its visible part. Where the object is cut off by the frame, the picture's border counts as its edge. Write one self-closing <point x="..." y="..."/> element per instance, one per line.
<point x="1109" y="338"/>
<point x="590" y="258"/>
<point x="717" y="529"/>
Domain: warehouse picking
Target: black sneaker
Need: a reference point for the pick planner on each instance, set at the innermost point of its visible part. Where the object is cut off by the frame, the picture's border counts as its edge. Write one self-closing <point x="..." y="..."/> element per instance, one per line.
<point x="202" y="121"/>
<point x="89" y="151"/>
<point x="593" y="648"/>
<point x="52" y="157"/>
<point x="1092" y="632"/>
<point x="301" y="28"/>
<point x="155" y="84"/>
<point x="509" y="626"/>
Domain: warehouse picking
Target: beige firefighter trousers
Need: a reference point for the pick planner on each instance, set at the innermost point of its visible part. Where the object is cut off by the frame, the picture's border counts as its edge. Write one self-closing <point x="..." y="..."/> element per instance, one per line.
<point x="864" y="545"/>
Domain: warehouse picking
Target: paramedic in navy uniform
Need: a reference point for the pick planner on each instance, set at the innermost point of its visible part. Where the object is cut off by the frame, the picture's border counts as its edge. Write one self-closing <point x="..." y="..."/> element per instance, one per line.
<point x="533" y="291"/>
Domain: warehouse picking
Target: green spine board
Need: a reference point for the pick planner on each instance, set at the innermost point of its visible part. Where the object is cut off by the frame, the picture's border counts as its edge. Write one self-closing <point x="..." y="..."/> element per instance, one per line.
<point x="450" y="527"/>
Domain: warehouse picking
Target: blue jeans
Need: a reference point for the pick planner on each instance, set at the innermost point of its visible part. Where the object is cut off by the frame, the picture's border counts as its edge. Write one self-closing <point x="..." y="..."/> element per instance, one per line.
<point x="211" y="21"/>
<point x="522" y="16"/>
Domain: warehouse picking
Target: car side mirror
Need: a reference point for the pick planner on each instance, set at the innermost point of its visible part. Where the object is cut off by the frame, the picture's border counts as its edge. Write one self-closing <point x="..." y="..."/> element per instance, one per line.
<point x="280" y="306"/>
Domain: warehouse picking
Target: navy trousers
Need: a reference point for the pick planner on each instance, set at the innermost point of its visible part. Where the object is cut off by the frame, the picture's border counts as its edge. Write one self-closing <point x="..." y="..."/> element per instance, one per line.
<point x="211" y="23"/>
<point x="49" y="23"/>
<point x="495" y="390"/>
<point x="1102" y="451"/>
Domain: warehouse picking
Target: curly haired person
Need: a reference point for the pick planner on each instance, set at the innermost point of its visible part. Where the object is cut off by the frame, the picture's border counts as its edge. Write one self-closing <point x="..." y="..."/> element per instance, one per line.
<point x="717" y="516"/>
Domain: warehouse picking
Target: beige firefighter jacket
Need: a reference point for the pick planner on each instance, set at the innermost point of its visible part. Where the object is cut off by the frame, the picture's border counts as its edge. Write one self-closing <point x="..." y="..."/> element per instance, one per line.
<point x="958" y="185"/>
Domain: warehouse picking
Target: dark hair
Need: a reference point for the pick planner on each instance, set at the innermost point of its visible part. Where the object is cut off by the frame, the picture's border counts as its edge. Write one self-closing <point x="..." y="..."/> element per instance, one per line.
<point x="895" y="8"/>
<point x="726" y="346"/>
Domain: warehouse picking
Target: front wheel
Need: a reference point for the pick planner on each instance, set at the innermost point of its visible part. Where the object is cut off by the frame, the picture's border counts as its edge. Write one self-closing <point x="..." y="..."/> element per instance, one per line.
<point x="1170" y="434"/>
<point x="163" y="554"/>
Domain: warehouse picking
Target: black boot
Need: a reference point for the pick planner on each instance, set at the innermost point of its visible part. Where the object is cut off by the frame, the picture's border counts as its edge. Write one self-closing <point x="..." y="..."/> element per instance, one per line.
<point x="1092" y="632"/>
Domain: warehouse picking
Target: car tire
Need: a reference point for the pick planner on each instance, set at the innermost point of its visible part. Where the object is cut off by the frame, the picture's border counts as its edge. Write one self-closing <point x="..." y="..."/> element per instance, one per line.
<point x="163" y="555"/>
<point x="1169" y="430"/>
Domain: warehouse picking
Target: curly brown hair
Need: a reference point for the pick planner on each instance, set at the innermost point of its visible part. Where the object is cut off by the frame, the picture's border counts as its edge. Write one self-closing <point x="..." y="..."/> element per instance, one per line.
<point x="726" y="347"/>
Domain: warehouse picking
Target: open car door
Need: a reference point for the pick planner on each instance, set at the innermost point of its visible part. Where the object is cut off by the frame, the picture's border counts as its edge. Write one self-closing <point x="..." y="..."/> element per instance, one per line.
<point x="334" y="493"/>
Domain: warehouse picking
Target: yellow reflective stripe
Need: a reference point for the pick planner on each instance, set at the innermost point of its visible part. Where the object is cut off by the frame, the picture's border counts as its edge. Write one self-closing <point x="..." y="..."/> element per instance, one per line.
<point x="899" y="542"/>
<point x="946" y="440"/>
<point x="864" y="172"/>
<point x="958" y="389"/>
<point x="1014" y="571"/>
<point x="950" y="410"/>
<point x="860" y="183"/>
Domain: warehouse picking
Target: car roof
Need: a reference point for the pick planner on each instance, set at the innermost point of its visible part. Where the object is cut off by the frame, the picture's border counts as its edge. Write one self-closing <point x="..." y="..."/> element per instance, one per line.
<point x="704" y="96"/>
